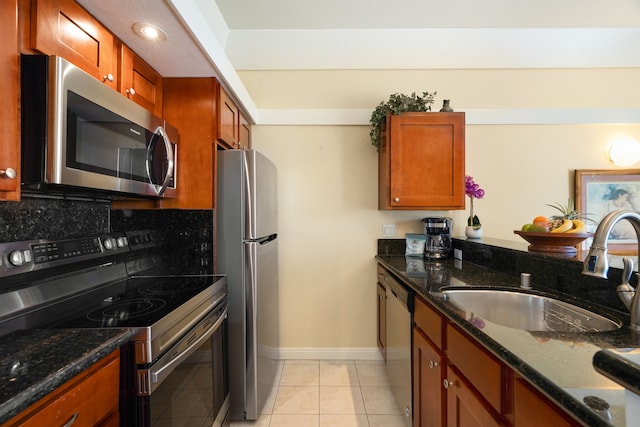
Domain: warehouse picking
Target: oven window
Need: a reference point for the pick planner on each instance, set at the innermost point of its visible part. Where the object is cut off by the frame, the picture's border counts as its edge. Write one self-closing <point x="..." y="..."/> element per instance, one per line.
<point x="101" y="141"/>
<point x="195" y="392"/>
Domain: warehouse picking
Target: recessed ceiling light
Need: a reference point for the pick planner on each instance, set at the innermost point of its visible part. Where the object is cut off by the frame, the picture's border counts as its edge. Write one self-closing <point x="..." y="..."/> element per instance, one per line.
<point x="149" y="31"/>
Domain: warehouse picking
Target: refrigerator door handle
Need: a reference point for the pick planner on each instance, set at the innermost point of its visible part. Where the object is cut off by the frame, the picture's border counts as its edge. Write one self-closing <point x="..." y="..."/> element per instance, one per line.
<point x="266" y="239"/>
<point x="251" y="326"/>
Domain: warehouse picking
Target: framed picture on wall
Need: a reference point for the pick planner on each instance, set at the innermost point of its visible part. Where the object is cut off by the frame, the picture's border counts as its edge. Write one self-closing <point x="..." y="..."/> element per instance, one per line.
<point x="599" y="192"/>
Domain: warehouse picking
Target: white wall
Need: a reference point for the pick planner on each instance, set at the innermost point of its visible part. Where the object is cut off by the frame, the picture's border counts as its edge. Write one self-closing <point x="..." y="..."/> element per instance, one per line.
<point x="329" y="220"/>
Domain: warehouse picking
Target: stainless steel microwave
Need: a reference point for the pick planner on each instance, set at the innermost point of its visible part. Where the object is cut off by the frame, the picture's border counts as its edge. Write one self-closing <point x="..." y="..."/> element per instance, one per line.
<point x="79" y="137"/>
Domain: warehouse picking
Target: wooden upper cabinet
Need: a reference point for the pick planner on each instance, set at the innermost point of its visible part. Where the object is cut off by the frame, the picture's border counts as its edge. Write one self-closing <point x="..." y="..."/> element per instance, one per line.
<point x="228" y="120"/>
<point x="64" y="28"/>
<point x="190" y="105"/>
<point x="10" y="89"/>
<point x="139" y="81"/>
<point x="244" y="137"/>
<point x="421" y="162"/>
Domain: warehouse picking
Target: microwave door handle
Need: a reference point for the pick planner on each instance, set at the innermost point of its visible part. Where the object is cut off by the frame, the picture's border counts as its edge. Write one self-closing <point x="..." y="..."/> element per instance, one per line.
<point x="167" y="143"/>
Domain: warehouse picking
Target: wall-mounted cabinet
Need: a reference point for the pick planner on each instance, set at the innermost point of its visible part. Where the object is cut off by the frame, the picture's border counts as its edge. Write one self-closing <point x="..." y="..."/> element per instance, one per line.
<point x="244" y="136"/>
<point x="139" y="81"/>
<point x="10" y="90"/>
<point x="64" y="28"/>
<point x="234" y="130"/>
<point x="421" y="162"/>
<point x="190" y="105"/>
<point x="228" y="120"/>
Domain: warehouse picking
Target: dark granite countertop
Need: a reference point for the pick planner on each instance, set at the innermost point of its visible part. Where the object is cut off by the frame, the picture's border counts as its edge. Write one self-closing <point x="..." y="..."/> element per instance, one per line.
<point x="33" y="363"/>
<point x="558" y="364"/>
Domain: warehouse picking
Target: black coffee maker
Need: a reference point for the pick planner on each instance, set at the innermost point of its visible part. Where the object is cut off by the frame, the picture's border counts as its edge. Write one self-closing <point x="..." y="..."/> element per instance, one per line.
<point x="438" y="233"/>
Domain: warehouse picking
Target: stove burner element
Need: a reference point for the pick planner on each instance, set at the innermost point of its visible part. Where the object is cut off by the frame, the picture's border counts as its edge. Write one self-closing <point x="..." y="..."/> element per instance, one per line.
<point x="171" y="287"/>
<point x="122" y="311"/>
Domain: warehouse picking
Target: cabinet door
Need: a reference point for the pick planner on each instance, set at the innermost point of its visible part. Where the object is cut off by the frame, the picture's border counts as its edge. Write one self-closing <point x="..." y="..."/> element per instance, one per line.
<point x="189" y="106"/>
<point x="531" y="409"/>
<point x="9" y="88"/>
<point x="464" y="407"/>
<point x="139" y="81"/>
<point x="64" y="28"/>
<point x="228" y="120"/>
<point x="382" y="320"/>
<point x="429" y="403"/>
<point x="422" y="162"/>
<point x="244" y="133"/>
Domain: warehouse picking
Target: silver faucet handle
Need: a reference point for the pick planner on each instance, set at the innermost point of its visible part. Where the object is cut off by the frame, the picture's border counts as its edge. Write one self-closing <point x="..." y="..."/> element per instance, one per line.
<point x="624" y="290"/>
<point x="627" y="270"/>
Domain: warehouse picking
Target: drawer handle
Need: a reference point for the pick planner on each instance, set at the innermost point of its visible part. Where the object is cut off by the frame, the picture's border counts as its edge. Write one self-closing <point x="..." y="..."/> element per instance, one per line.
<point x="73" y="419"/>
<point x="433" y="364"/>
<point x="447" y="383"/>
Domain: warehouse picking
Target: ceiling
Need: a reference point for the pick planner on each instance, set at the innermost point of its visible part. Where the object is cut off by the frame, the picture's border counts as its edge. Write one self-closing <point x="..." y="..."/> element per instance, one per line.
<point x="238" y="35"/>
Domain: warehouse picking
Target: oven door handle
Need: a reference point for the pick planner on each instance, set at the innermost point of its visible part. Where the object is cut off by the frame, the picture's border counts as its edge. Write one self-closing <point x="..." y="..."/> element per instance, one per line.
<point x="156" y="375"/>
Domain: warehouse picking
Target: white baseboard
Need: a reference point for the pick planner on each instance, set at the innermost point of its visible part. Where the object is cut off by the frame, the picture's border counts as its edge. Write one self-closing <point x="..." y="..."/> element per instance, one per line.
<point x="323" y="353"/>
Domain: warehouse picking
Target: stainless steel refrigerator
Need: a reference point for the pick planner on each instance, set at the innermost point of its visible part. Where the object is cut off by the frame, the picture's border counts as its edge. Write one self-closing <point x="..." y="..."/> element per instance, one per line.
<point x="247" y="252"/>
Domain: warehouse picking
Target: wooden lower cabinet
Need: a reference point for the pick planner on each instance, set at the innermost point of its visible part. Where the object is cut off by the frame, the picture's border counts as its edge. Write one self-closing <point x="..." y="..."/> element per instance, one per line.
<point x="381" y="313"/>
<point x="532" y="409"/>
<point x="464" y="407"/>
<point x="90" y="399"/>
<point x="429" y="404"/>
<point x="458" y="383"/>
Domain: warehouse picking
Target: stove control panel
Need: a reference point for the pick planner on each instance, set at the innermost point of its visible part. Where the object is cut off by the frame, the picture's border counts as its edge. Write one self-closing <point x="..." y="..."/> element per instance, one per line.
<point x="30" y="255"/>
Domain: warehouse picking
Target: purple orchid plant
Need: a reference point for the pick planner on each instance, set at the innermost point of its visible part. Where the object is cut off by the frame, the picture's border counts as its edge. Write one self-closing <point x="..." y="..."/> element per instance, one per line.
<point x="474" y="191"/>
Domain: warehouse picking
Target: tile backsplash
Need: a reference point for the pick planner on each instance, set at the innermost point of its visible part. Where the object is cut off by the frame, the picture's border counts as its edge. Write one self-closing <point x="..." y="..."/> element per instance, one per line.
<point x="190" y="233"/>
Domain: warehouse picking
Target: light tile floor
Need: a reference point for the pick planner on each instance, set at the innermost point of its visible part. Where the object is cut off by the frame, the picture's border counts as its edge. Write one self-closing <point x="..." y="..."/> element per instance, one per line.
<point x="318" y="393"/>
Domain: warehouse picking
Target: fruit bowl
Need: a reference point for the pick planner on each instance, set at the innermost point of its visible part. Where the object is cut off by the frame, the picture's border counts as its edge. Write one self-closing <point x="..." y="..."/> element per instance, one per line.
<point x="564" y="243"/>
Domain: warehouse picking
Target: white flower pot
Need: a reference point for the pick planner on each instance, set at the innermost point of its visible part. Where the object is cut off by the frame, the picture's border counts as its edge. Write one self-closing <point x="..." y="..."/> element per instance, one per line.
<point x="473" y="233"/>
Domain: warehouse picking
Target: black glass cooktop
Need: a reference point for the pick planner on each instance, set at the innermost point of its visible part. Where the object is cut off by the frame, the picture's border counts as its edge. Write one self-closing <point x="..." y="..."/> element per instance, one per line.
<point x="138" y="301"/>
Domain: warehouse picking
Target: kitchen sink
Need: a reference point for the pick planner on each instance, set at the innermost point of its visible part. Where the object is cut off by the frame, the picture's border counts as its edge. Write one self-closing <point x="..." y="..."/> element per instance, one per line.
<point x="530" y="312"/>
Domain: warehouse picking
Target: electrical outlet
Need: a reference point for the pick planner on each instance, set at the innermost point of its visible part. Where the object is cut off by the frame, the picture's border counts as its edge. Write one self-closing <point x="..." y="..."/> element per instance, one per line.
<point x="457" y="253"/>
<point x="388" y="230"/>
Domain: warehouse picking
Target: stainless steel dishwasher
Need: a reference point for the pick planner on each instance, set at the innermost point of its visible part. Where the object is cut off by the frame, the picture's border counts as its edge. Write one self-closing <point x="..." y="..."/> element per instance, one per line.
<point x="399" y="309"/>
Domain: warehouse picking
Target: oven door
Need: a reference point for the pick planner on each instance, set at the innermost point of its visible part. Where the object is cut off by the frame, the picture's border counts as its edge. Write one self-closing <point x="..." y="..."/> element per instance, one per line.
<point x="188" y="385"/>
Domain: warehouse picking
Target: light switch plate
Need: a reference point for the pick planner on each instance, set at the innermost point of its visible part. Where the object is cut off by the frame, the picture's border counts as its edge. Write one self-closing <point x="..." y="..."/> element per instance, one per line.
<point x="457" y="253"/>
<point x="388" y="230"/>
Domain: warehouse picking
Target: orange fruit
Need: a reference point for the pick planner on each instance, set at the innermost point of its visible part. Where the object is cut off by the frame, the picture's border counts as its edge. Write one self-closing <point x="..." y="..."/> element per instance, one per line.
<point x="542" y="219"/>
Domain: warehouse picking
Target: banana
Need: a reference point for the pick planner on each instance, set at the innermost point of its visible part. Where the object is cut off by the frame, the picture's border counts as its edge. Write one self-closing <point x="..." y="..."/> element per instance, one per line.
<point x="578" y="226"/>
<point x="566" y="225"/>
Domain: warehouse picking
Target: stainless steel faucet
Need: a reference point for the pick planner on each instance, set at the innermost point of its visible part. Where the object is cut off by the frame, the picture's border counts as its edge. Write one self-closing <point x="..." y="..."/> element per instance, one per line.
<point x="597" y="264"/>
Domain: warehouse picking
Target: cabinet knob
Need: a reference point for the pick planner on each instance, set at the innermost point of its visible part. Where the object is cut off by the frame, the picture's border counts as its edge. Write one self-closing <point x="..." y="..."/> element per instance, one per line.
<point x="433" y="364"/>
<point x="131" y="91"/>
<point x="8" y="173"/>
<point x="396" y="199"/>
<point x="447" y="383"/>
<point x="108" y="77"/>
